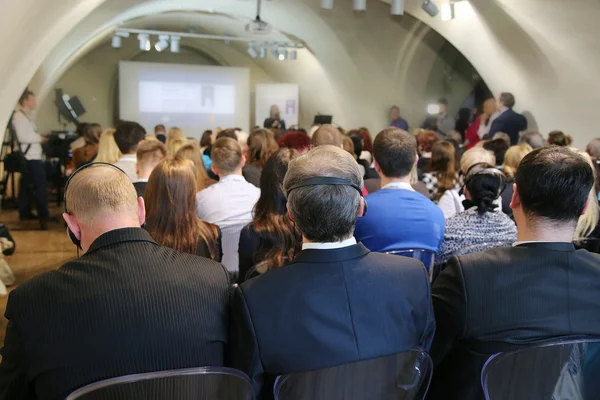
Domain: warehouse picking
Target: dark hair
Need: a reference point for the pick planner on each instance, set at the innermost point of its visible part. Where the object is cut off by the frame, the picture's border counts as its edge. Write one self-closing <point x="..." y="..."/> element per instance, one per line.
<point x="367" y="141"/>
<point x="498" y="147"/>
<point x="443" y="100"/>
<point x="278" y="236"/>
<point x="206" y="139"/>
<point x="229" y="133"/>
<point x="395" y="152"/>
<point x="443" y="164"/>
<point x="159" y="127"/>
<point x="91" y="133"/>
<point x="532" y="138"/>
<point x="356" y="138"/>
<point x="484" y="186"/>
<point x="25" y="96"/>
<point x="559" y="138"/>
<point x="462" y="122"/>
<point x="261" y="145"/>
<point x="128" y="135"/>
<point x="295" y="140"/>
<point x="507" y="99"/>
<point x="554" y="183"/>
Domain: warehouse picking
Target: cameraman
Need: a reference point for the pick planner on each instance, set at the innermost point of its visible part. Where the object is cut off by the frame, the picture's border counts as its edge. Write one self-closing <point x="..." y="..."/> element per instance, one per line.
<point x="33" y="184"/>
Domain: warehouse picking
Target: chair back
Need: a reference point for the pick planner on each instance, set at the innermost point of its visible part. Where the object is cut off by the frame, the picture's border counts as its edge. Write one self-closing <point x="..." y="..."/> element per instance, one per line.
<point x="476" y="248"/>
<point x="561" y="370"/>
<point x="404" y="376"/>
<point x="207" y="383"/>
<point x="427" y="257"/>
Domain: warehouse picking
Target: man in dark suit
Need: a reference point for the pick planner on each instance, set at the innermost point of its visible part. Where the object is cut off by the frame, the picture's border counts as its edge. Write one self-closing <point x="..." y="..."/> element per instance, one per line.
<point x="538" y="289"/>
<point x="126" y="306"/>
<point x="336" y="302"/>
<point x="507" y="120"/>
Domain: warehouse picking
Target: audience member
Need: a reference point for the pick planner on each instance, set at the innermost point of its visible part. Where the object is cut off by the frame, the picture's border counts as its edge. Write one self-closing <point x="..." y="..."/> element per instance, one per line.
<point x="229" y="202"/>
<point x="512" y="159"/>
<point x="398" y="218"/>
<point x="455" y="138"/>
<point x="324" y="308"/>
<point x="396" y="120"/>
<point x="261" y="145"/>
<point x="148" y="155"/>
<point x="367" y="153"/>
<point x="87" y="153"/>
<point x="128" y="137"/>
<point x="426" y="140"/>
<point x="108" y="151"/>
<point x="271" y="239"/>
<point x="593" y="149"/>
<point x="327" y="134"/>
<point x="192" y="152"/>
<point x="481" y="126"/>
<point x="540" y="288"/>
<point x="160" y="132"/>
<point x="451" y="202"/>
<point x="249" y="172"/>
<point x="348" y="146"/>
<point x="357" y="141"/>
<point x="296" y="140"/>
<point x="589" y="220"/>
<point x="503" y="136"/>
<point x="507" y="120"/>
<point x="274" y="121"/>
<point x="126" y="306"/>
<point x="171" y="211"/>
<point x="499" y="148"/>
<point x="483" y="224"/>
<point x="444" y="174"/>
<point x="175" y="139"/>
<point x="463" y="121"/>
<point x="206" y="141"/>
<point x="559" y="138"/>
<point x="445" y="122"/>
<point x="533" y="139"/>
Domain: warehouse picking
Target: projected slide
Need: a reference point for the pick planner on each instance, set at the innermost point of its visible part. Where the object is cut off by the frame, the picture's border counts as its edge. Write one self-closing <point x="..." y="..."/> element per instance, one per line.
<point x="191" y="97"/>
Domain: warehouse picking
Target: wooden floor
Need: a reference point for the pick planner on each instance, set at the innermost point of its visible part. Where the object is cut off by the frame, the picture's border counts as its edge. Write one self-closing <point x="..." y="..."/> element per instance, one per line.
<point x="37" y="251"/>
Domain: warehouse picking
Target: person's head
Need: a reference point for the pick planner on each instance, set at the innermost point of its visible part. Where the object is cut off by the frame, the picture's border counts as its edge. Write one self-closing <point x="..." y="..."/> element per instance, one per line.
<point x="490" y="107"/>
<point x="327" y="135"/>
<point x="551" y="190"/>
<point x="348" y="145"/>
<point x="274" y="112"/>
<point x="206" y="139"/>
<point x="367" y="141"/>
<point x="295" y="140"/>
<point x="503" y="136"/>
<point x="175" y="139"/>
<point x="443" y="104"/>
<point x="271" y="221"/>
<point x="92" y="133"/>
<point x="506" y="100"/>
<point x="324" y="213"/>
<point x="533" y="139"/>
<point x="148" y="155"/>
<point x="228" y="133"/>
<point x="395" y="153"/>
<point x="498" y="147"/>
<point x="28" y="100"/>
<point x="589" y="220"/>
<point x="227" y="157"/>
<point x="474" y="156"/>
<point x="483" y="185"/>
<point x="171" y="207"/>
<point x="559" y="138"/>
<point x="593" y="148"/>
<point x="394" y="113"/>
<point x="108" y="151"/>
<point x="426" y="140"/>
<point x="443" y="164"/>
<point x="98" y="199"/>
<point x="261" y="145"/>
<point x="191" y="151"/>
<point x="128" y="136"/>
<point x="160" y="130"/>
<point x="357" y="140"/>
<point x="513" y="158"/>
<point x="456" y="137"/>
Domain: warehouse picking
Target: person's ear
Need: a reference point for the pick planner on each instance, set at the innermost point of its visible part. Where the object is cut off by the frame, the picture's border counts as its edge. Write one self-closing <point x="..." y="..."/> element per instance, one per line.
<point x="137" y="169"/>
<point x="587" y="203"/>
<point x="515" y="201"/>
<point x="243" y="161"/>
<point x="214" y="170"/>
<point x="416" y="160"/>
<point x="141" y="210"/>
<point x="73" y="225"/>
<point x="361" y="207"/>
<point x="377" y="167"/>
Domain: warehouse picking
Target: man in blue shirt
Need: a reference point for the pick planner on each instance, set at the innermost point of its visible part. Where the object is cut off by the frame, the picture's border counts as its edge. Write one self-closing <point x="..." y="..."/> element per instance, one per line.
<point x="399" y="218"/>
<point x="396" y="120"/>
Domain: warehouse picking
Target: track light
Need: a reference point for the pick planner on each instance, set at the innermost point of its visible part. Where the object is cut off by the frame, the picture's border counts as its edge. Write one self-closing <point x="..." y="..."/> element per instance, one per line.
<point x="175" y="44"/>
<point x="163" y="43"/>
<point x="327" y="4"/>
<point x="293" y="54"/>
<point x="283" y="55"/>
<point x="430" y="8"/>
<point x="262" y="52"/>
<point x="116" y="42"/>
<point x="447" y="12"/>
<point x="144" y="42"/>
<point x="397" y="7"/>
<point x="360" y="5"/>
<point x="252" y="52"/>
<point x="275" y="52"/>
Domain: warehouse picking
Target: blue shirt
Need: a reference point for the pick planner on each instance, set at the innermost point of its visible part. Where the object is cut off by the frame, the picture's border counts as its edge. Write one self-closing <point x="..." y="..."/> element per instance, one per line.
<point x="400" y="123"/>
<point x="400" y="219"/>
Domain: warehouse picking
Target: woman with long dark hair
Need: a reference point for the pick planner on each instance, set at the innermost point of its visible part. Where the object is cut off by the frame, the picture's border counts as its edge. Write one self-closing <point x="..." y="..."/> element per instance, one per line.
<point x="171" y="216"/>
<point x="271" y="238"/>
<point x="443" y="175"/>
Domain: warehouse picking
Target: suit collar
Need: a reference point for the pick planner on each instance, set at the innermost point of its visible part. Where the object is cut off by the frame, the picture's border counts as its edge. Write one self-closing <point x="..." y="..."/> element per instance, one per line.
<point x="331" y="255"/>
<point x="120" y="236"/>
<point x="556" y="246"/>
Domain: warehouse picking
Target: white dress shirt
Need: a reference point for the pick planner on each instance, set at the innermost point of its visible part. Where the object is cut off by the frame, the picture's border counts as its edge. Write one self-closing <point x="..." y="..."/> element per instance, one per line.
<point x="128" y="163"/>
<point x="28" y="135"/>
<point x="330" y="245"/>
<point x="399" y="185"/>
<point x="228" y="204"/>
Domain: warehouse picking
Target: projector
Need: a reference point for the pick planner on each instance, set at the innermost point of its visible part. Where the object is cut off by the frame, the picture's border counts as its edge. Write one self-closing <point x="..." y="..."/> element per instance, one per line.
<point x="258" y="27"/>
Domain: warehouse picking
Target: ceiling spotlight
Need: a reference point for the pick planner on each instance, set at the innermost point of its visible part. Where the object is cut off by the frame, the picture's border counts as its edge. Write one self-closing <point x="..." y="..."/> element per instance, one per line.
<point x="144" y="42"/>
<point x="430" y="8"/>
<point x="163" y="43"/>
<point x="116" y="42"/>
<point x="327" y="4"/>
<point x="447" y="12"/>
<point x="275" y="52"/>
<point x="283" y="55"/>
<point x="252" y="51"/>
<point x="397" y="7"/>
<point x="175" y="44"/>
<point x="262" y="52"/>
<point x="293" y="54"/>
<point x="360" y="5"/>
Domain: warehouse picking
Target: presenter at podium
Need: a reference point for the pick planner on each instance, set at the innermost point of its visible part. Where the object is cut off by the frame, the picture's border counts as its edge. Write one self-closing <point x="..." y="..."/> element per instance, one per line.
<point x="274" y="121"/>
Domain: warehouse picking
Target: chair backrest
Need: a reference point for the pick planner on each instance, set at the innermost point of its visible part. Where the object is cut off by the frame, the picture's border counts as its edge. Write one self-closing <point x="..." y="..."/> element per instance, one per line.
<point x="403" y="376"/>
<point x="427" y="257"/>
<point x="207" y="383"/>
<point x="476" y="248"/>
<point x="560" y="370"/>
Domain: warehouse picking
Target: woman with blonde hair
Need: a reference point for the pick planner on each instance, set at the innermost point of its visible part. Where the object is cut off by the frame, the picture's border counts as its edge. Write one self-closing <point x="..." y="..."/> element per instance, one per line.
<point x="444" y="172"/>
<point x="589" y="220"/>
<point x="108" y="151"/>
<point x="192" y="152"/>
<point x="175" y="139"/>
<point x="512" y="159"/>
<point x="261" y="145"/>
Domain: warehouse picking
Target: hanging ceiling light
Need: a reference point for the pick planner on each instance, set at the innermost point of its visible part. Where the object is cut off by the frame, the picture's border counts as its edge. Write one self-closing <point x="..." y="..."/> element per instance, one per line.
<point x="175" y="44"/>
<point x="447" y="11"/>
<point x="327" y="4"/>
<point x="144" y="42"/>
<point x="293" y="54"/>
<point x="262" y="53"/>
<point x="163" y="43"/>
<point x="116" y="42"/>
<point x="360" y="5"/>
<point x="397" y="7"/>
<point x="275" y="52"/>
<point x="430" y="8"/>
<point x="283" y="55"/>
<point x="252" y="52"/>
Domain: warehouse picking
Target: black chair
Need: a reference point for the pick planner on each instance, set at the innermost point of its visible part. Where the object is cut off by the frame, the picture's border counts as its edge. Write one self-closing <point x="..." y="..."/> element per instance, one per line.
<point x="562" y="370"/>
<point x="404" y="376"/>
<point x="208" y="383"/>
<point x="427" y="257"/>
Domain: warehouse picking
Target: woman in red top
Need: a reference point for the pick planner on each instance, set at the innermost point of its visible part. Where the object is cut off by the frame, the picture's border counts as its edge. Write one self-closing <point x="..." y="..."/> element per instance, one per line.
<point x="472" y="134"/>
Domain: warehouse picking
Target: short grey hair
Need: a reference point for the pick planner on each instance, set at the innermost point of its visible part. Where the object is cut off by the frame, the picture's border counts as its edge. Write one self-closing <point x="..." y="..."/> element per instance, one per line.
<point x="593" y="148"/>
<point x="502" y="135"/>
<point x="324" y="213"/>
<point x="534" y="139"/>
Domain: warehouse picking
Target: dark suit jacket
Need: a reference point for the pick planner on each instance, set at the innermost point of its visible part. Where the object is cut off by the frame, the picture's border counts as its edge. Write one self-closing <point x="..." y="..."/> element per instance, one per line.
<point x="126" y="306"/>
<point x="249" y="243"/>
<point x="505" y="299"/>
<point x="140" y="188"/>
<point x="508" y="122"/>
<point x="327" y="308"/>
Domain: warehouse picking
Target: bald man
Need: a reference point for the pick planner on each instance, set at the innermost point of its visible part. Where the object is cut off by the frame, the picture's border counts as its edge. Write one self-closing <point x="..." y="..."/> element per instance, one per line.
<point x="327" y="134"/>
<point x="126" y="306"/>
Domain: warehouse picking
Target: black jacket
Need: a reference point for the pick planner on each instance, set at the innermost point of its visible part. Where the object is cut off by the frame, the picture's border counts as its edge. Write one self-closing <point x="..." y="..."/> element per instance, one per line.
<point x="126" y="306"/>
<point x="510" y="123"/>
<point x="505" y="299"/>
<point x="327" y="308"/>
